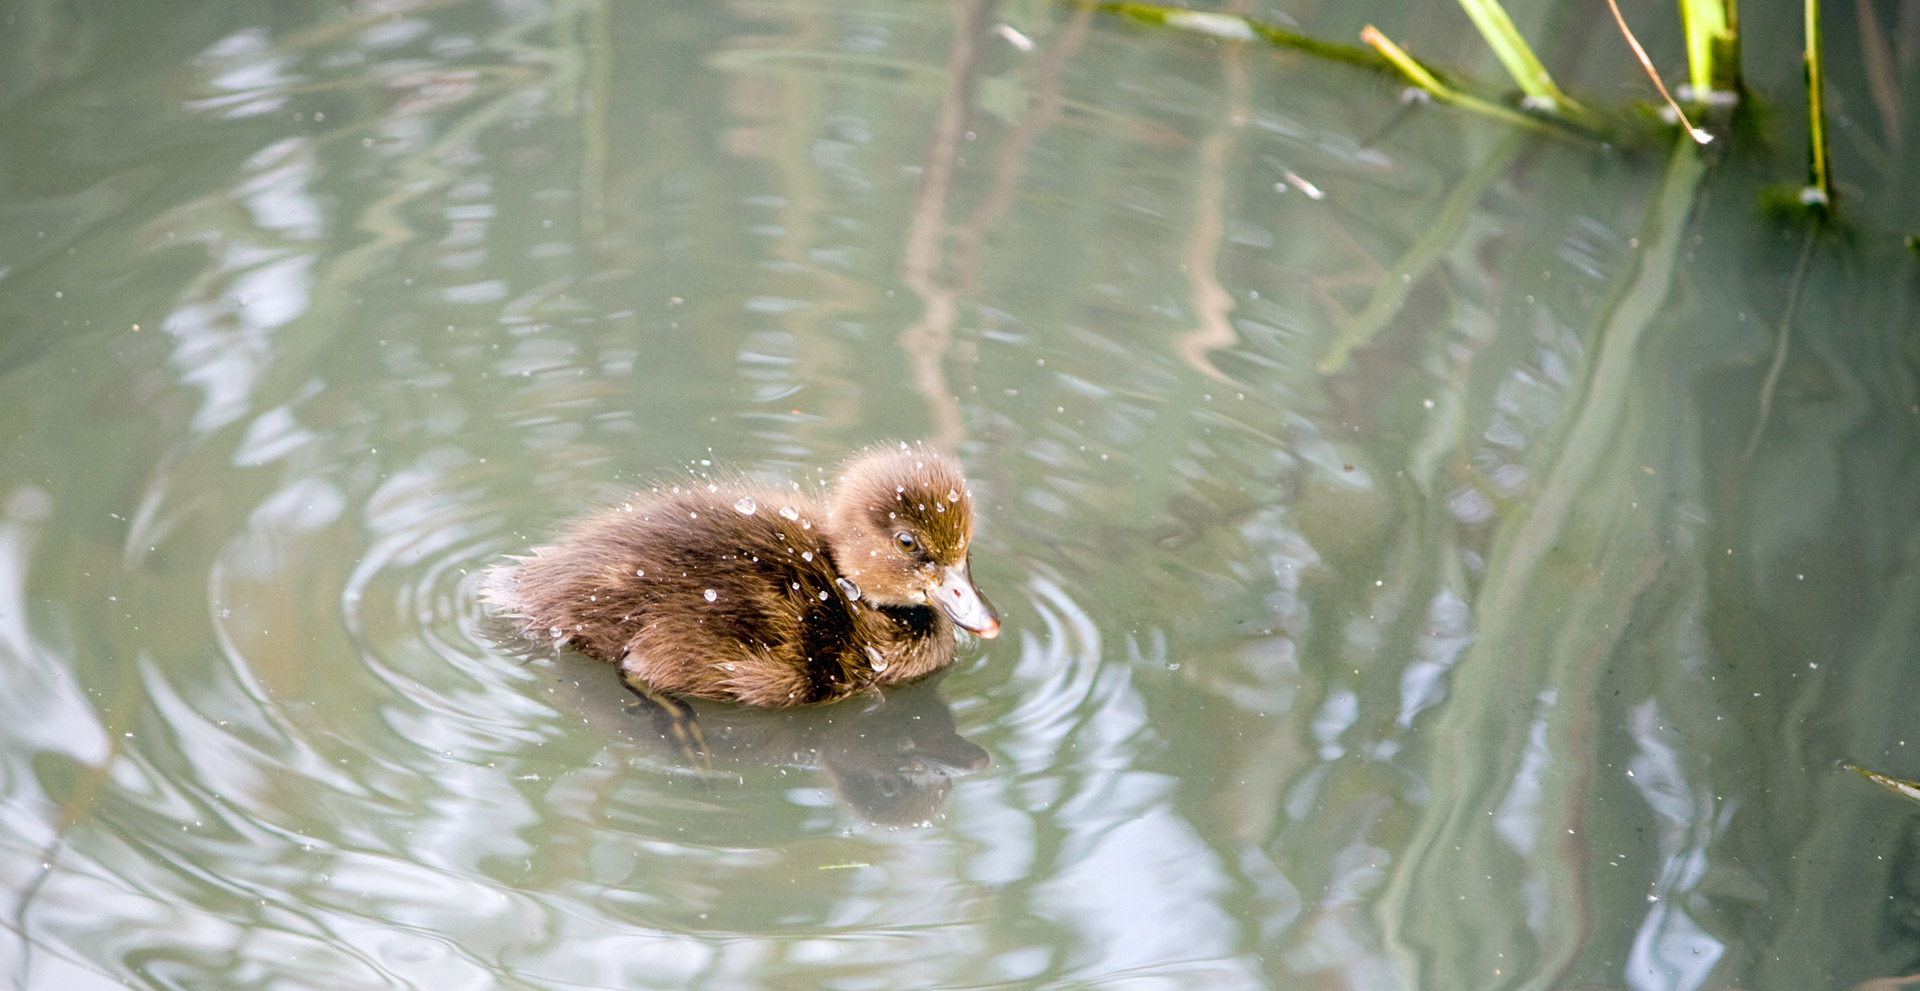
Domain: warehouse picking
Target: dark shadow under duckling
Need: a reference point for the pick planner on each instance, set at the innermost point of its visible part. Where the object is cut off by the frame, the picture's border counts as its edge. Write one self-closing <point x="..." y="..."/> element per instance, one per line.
<point x="742" y="592"/>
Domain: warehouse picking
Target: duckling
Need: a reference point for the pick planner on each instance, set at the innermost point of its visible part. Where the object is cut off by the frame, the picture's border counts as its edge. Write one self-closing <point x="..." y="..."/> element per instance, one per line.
<point x="740" y="592"/>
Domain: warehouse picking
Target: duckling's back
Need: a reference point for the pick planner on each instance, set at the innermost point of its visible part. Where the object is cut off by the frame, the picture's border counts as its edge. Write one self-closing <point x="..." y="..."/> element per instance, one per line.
<point x="719" y="592"/>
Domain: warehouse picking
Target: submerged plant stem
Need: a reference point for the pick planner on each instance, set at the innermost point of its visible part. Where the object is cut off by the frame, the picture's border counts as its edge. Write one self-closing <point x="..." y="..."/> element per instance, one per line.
<point x="1241" y="28"/>
<point x="1413" y="266"/>
<point x="1772" y="381"/>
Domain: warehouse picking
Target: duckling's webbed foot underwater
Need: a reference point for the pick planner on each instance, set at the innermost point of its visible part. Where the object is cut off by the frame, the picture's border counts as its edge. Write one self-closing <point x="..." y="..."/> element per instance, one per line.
<point x="673" y="718"/>
<point x="740" y="592"/>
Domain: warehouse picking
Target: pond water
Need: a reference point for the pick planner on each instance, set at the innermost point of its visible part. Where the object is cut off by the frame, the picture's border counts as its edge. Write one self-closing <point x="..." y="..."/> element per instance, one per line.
<point x="1429" y="555"/>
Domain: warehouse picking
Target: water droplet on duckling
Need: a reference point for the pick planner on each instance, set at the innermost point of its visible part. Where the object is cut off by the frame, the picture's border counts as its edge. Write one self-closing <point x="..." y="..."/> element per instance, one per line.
<point x="711" y="595"/>
<point x="639" y="572"/>
<point x="879" y="660"/>
<point x="953" y="495"/>
<point x="849" y="589"/>
<point x="806" y="555"/>
<point x="556" y="632"/>
<point x="789" y="513"/>
<point x="823" y="595"/>
<point x="746" y="506"/>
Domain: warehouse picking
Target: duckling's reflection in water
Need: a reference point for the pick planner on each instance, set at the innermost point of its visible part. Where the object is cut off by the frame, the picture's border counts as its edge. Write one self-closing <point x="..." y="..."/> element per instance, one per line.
<point x="890" y="755"/>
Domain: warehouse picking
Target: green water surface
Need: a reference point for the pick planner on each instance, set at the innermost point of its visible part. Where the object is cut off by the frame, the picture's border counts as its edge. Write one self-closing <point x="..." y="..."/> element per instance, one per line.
<point x="1430" y="555"/>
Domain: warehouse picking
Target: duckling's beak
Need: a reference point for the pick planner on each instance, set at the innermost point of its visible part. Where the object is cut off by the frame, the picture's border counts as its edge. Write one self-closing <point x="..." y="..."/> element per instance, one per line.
<point x="963" y="603"/>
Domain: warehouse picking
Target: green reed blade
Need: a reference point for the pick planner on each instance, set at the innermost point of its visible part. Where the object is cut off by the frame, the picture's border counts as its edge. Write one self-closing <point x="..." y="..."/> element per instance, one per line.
<point x="1819" y="191"/>
<point x="1497" y="29"/>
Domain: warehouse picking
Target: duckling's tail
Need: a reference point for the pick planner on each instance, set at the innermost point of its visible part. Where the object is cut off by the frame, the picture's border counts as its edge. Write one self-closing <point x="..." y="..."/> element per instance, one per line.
<point x="500" y="589"/>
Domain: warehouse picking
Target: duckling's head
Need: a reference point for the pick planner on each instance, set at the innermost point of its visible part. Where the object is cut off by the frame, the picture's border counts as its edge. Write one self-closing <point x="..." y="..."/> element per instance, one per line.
<point x="900" y="523"/>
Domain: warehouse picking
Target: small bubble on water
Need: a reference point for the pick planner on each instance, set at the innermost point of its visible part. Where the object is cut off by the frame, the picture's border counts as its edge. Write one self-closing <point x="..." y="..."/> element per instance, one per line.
<point x="789" y="513"/>
<point x="711" y="595"/>
<point x="848" y="588"/>
<point x="746" y="506"/>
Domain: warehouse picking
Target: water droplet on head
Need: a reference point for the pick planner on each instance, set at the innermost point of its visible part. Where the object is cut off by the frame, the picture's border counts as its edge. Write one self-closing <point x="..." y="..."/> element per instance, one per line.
<point x="789" y="513"/>
<point x="953" y="495"/>
<point x="711" y="595"/>
<point x="639" y="572"/>
<point x="806" y="555"/>
<point x="848" y="588"/>
<point x="823" y="595"/>
<point x="746" y="505"/>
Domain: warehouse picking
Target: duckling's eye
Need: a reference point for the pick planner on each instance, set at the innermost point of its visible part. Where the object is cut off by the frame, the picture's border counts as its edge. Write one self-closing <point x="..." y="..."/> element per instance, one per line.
<point x="905" y="540"/>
